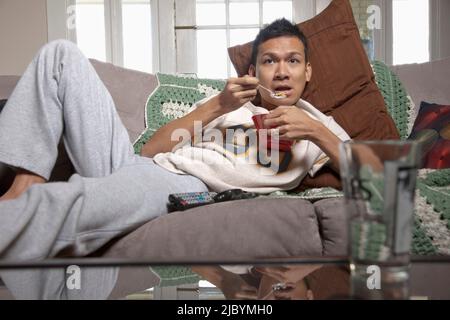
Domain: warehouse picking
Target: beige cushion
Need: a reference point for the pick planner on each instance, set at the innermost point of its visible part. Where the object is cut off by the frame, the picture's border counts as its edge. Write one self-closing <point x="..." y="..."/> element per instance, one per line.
<point x="130" y="90"/>
<point x="428" y="81"/>
<point x="243" y="229"/>
<point x="332" y="218"/>
<point x="7" y="84"/>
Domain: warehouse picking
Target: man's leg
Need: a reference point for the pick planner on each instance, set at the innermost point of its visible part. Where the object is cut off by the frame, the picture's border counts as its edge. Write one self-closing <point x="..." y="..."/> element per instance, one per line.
<point x="60" y="93"/>
<point x="79" y="217"/>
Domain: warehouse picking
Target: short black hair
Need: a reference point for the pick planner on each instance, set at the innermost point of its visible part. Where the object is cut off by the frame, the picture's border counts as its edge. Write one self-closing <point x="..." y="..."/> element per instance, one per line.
<point x="278" y="28"/>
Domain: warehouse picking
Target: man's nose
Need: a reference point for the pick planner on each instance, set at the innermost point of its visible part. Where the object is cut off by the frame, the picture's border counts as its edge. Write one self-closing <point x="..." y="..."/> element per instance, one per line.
<point x="282" y="71"/>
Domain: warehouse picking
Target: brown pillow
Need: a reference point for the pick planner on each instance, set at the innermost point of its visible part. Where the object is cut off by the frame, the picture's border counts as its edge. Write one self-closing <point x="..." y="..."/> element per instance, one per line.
<point x="343" y="84"/>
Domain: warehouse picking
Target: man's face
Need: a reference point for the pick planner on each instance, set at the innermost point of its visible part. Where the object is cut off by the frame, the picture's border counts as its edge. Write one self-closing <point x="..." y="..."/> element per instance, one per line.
<point x="281" y="67"/>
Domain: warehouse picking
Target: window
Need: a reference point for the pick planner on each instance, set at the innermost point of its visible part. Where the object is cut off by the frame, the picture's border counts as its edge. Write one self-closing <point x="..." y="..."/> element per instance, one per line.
<point x="117" y="31"/>
<point x="224" y="23"/>
<point x="90" y="28"/>
<point x="361" y="10"/>
<point x="191" y="36"/>
<point x="137" y="35"/>
<point x="411" y="31"/>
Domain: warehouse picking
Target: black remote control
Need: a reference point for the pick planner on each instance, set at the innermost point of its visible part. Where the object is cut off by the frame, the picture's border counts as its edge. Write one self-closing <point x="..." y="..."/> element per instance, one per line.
<point x="183" y="201"/>
<point x="234" y="194"/>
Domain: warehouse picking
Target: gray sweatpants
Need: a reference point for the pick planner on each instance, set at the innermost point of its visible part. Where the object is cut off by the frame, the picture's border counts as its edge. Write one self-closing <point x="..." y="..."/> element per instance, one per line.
<point x="113" y="192"/>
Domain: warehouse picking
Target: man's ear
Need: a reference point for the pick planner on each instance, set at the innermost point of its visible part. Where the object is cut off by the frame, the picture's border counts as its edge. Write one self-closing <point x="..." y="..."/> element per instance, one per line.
<point x="252" y="71"/>
<point x="308" y="72"/>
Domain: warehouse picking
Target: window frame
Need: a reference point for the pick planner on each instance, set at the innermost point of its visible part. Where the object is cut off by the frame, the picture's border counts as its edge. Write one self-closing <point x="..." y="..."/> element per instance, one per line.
<point x="297" y="14"/>
<point x="58" y="14"/>
<point x="173" y="36"/>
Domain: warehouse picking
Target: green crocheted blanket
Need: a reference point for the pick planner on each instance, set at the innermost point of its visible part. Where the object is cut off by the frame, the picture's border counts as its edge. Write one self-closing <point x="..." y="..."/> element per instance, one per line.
<point x="175" y="95"/>
<point x="172" y="99"/>
<point x="399" y="104"/>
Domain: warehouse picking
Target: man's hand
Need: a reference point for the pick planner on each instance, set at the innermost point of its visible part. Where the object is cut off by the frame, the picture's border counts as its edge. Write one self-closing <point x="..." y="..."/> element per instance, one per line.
<point x="231" y="285"/>
<point x="237" y="92"/>
<point x="292" y="123"/>
<point x="234" y="287"/>
<point x="289" y="274"/>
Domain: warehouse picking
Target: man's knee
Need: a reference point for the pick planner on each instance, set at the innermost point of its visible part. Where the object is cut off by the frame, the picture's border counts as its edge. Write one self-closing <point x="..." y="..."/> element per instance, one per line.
<point x="61" y="46"/>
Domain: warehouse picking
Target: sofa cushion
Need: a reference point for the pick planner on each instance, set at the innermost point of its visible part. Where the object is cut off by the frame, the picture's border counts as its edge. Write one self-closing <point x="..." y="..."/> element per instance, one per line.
<point x="243" y="229"/>
<point x="332" y="218"/>
<point x="130" y="90"/>
<point x="7" y="85"/>
<point x="427" y="81"/>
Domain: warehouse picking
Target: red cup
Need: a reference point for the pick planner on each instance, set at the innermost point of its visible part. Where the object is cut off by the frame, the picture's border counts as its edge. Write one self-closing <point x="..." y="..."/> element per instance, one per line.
<point x="283" y="145"/>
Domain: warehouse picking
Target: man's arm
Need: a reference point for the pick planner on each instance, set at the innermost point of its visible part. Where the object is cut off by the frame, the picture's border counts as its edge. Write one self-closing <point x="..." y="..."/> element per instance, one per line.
<point x="236" y="93"/>
<point x="328" y="142"/>
<point x="231" y="285"/>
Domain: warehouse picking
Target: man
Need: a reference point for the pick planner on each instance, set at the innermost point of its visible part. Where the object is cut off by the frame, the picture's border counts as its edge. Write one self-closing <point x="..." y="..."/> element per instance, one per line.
<point x="280" y="64"/>
<point x="114" y="190"/>
<point x="269" y="283"/>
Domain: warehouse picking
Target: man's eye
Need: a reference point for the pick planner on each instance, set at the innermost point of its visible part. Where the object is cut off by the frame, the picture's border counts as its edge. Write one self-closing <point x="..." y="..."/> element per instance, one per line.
<point x="268" y="61"/>
<point x="294" y="61"/>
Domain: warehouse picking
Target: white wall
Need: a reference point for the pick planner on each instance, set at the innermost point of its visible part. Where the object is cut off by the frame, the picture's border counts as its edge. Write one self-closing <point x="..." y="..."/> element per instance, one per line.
<point x="23" y="30"/>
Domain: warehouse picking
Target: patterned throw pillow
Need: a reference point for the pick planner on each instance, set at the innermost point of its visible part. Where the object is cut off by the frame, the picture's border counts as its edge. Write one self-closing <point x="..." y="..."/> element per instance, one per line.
<point x="432" y="127"/>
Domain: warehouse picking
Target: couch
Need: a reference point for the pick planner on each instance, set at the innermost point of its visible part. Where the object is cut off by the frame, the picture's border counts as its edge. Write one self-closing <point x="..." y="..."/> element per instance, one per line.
<point x="282" y="226"/>
<point x="244" y="229"/>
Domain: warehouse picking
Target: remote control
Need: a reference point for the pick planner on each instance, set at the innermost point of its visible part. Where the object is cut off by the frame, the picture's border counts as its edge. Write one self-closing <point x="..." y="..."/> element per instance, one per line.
<point x="234" y="194"/>
<point x="183" y="201"/>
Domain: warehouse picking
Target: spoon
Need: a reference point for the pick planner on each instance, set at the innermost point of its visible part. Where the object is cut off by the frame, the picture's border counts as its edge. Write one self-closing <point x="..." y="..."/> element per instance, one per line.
<point x="275" y="95"/>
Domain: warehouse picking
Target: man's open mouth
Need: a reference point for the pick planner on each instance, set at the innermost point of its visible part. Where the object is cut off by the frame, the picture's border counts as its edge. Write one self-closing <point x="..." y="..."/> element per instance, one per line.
<point x="283" y="90"/>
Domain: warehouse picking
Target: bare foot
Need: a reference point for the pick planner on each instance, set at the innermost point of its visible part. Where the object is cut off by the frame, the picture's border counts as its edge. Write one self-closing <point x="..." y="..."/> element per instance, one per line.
<point x="22" y="181"/>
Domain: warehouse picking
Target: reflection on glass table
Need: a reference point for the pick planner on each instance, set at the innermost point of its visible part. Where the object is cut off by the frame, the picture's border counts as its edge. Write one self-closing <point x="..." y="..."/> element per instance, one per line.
<point x="280" y="282"/>
<point x="294" y="279"/>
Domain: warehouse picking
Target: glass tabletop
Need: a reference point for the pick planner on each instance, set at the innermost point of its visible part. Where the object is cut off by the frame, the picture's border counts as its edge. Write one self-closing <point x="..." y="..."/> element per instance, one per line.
<point x="255" y="279"/>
